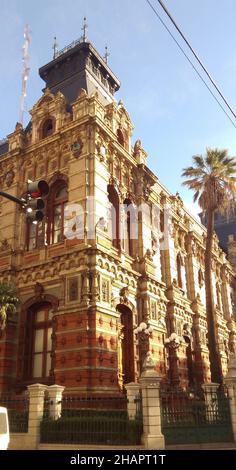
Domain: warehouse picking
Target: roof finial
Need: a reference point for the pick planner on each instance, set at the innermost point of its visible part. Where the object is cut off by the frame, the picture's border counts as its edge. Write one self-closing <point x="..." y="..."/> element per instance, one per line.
<point x="84" y="29"/>
<point x="55" y="48"/>
<point x="106" y="55"/>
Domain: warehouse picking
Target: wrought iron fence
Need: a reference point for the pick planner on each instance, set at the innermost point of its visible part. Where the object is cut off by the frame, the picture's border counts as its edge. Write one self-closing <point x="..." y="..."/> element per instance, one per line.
<point x="92" y="420"/>
<point x="192" y="416"/>
<point x="18" y="411"/>
<point x="139" y="409"/>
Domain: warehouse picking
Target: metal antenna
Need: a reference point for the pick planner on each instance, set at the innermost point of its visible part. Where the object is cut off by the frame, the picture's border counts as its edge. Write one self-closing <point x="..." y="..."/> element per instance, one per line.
<point x="84" y="29"/>
<point x="25" y="71"/>
<point x="106" y="55"/>
<point x="55" y="48"/>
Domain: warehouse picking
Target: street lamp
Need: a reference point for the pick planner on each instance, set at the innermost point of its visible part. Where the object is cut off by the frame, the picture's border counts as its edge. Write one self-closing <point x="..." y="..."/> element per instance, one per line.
<point x="143" y="328"/>
<point x="143" y="331"/>
<point x="173" y="343"/>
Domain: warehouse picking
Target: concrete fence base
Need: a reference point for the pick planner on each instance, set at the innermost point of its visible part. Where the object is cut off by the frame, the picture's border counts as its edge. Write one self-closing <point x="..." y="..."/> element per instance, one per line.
<point x="149" y="385"/>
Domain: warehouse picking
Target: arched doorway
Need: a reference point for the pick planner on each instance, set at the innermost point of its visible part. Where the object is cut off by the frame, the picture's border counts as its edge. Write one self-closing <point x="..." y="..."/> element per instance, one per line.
<point x="126" y="344"/>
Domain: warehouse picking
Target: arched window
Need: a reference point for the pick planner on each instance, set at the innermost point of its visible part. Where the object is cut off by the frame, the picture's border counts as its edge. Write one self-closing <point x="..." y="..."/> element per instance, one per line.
<point x="200" y="278"/>
<point x="162" y="221"/>
<point x="35" y="234"/>
<point x="179" y="263"/>
<point x="51" y="229"/>
<point x="47" y="128"/>
<point x="127" y="227"/>
<point x="58" y="199"/>
<point x="120" y="137"/>
<point x="115" y="215"/>
<point x="38" y="344"/>
<point x="36" y="231"/>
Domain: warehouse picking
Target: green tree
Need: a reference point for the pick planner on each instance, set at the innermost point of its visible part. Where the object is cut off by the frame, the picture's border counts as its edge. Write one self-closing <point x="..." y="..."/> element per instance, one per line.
<point x="8" y="302"/>
<point x="212" y="178"/>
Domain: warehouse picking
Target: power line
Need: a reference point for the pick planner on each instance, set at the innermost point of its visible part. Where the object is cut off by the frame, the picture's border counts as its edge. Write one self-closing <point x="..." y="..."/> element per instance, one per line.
<point x="196" y="56"/>
<point x="191" y="63"/>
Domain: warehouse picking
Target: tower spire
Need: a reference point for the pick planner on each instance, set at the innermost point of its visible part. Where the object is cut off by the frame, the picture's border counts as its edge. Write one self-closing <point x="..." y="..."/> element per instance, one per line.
<point x="106" y="55"/>
<point x="84" y="29"/>
<point x="55" y="48"/>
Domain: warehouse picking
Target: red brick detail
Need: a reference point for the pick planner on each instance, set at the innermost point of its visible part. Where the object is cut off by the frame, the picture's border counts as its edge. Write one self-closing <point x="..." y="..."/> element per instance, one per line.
<point x="56" y="251"/>
<point x="74" y="242"/>
<point x="5" y="261"/>
<point x="30" y="258"/>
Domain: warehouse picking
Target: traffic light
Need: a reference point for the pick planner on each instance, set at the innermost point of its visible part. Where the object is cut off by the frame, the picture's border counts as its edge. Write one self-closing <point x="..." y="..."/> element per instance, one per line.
<point x="34" y="204"/>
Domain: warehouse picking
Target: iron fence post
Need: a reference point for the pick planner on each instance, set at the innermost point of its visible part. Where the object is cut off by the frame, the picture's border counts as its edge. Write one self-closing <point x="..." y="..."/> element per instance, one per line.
<point x="36" y="408"/>
<point x="55" y="399"/>
<point x="230" y="381"/>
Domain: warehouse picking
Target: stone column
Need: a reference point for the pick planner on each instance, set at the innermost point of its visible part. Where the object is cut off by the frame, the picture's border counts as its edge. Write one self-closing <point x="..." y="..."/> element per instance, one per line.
<point x="95" y="288"/>
<point x="132" y="393"/>
<point x="86" y="288"/>
<point x="150" y="384"/>
<point x="36" y="408"/>
<point x="55" y="396"/>
<point x="230" y="381"/>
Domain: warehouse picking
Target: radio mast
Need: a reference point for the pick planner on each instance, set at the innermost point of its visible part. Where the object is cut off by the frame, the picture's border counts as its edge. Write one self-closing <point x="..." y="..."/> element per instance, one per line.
<point x="25" y="71"/>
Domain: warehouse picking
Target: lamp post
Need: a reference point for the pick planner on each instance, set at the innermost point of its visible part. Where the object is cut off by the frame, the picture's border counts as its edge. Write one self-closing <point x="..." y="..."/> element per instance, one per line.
<point x="173" y="343"/>
<point x="143" y="332"/>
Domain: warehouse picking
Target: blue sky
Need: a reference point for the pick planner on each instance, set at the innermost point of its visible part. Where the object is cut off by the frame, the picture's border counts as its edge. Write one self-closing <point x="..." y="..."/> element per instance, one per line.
<point x="173" y="113"/>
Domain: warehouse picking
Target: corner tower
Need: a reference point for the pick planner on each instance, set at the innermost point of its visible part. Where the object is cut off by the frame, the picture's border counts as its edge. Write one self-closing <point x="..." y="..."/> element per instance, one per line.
<point x="79" y="66"/>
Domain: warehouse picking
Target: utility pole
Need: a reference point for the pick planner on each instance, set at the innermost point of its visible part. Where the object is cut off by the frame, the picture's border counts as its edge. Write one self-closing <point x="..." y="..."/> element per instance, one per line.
<point x="22" y="201"/>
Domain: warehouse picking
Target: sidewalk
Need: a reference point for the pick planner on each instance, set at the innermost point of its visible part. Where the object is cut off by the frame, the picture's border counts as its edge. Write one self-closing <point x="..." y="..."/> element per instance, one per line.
<point x="209" y="446"/>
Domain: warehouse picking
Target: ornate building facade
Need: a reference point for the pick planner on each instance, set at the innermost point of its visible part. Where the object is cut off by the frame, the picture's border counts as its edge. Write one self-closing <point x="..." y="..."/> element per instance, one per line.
<point x="85" y="299"/>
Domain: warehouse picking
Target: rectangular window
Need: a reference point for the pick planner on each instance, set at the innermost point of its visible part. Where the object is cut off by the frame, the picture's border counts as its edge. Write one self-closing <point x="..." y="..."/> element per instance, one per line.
<point x="73" y="289"/>
<point x="38" y="365"/>
<point x="42" y="343"/>
<point x="105" y="290"/>
<point x="38" y="342"/>
<point x="32" y="237"/>
<point x="49" y="339"/>
<point x="36" y="235"/>
<point x="48" y="364"/>
<point x="153" y="310"/>
<point x="57" y="225"/>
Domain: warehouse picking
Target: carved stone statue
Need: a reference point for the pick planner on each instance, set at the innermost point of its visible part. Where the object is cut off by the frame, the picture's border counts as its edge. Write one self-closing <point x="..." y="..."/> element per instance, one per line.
<point x="124" y="292"/>
<point x="137" y="146"/>
<point x="154" y="244"/>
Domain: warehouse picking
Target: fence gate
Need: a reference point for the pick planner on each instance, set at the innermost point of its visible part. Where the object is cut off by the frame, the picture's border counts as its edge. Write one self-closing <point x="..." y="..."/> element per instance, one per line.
<point x="194" y="417"/>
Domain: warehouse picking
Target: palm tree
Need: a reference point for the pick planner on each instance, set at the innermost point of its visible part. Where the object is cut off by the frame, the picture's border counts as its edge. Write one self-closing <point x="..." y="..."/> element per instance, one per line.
<point x="8" y="302"/>
<point x="212" y="178"/>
